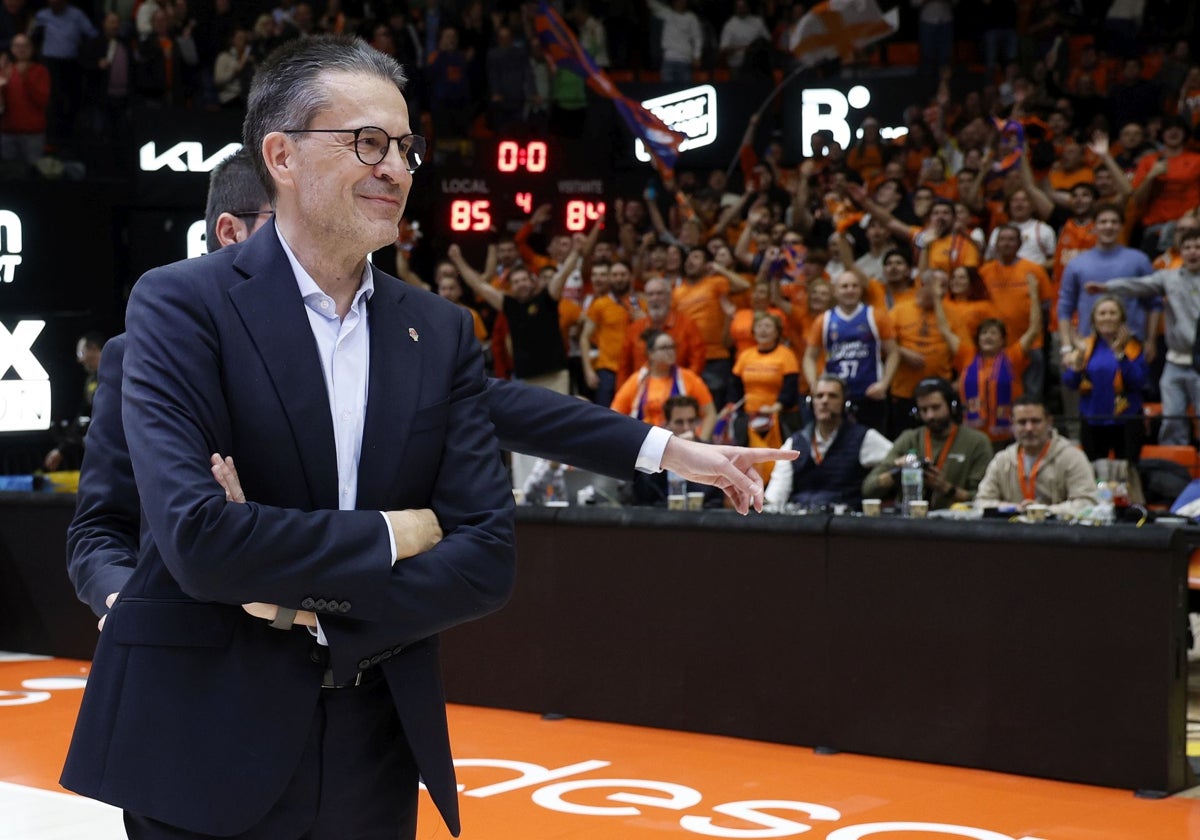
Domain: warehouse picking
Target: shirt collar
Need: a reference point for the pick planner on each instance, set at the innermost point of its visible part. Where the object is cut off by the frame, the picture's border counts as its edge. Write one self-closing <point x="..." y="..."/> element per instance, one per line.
<point x="311" y="292"/>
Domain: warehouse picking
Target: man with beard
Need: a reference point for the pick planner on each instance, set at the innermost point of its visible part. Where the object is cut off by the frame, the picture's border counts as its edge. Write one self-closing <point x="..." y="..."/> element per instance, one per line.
<point x="604" y="326"/>
<point x="955" y="456"/>
<point x="1041" y="467"/>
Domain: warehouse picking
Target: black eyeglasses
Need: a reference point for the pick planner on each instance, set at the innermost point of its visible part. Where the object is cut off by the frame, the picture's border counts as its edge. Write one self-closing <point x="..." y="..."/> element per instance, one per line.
<point x="371" y="144"/>
<point x="253" y="213"/>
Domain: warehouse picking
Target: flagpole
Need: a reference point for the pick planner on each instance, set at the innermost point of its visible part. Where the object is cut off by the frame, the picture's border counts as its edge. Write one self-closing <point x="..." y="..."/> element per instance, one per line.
<point x="758" y="114"/>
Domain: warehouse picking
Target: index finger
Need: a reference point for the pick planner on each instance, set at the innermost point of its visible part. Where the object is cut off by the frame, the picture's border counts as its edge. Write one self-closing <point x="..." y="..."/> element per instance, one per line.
<point x="776" y="454"/>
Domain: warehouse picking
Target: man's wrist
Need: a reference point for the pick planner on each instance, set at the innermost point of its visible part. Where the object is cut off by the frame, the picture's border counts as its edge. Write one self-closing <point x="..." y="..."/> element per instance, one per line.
<point x="654" y="446"/>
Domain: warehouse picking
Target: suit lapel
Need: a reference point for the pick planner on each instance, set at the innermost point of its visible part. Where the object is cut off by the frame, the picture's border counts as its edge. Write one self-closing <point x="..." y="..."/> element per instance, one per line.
<point x="273" y="313"/>
<point x="393" y="388"/>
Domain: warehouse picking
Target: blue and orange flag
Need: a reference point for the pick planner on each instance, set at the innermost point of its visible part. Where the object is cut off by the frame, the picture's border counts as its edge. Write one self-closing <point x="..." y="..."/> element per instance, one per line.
<point x="564" y="50"/>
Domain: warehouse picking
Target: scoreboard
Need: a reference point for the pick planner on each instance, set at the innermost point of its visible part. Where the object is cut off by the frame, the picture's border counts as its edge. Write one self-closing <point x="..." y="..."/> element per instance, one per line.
<point x="509" y="178"/>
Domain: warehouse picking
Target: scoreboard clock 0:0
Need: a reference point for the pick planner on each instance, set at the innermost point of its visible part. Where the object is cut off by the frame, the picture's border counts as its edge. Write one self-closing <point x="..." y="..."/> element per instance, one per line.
<point x="510" y="178"/>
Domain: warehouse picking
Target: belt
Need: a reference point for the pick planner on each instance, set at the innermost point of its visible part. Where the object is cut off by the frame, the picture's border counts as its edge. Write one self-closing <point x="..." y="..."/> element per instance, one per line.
<point x="319" y="654"/>
<point x="367" y="677"/>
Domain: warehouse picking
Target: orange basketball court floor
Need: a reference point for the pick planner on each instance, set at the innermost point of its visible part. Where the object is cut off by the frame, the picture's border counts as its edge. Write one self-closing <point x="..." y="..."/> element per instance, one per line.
<point x="525" y="778"/>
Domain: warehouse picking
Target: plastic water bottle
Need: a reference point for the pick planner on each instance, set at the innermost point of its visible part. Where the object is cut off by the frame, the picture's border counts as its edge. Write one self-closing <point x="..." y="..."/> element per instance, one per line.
<point x="912" y="482"/>
<point x="1103" y="512"/>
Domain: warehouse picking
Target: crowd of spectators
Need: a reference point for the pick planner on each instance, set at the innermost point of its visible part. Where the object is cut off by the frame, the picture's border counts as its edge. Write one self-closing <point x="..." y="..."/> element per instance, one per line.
<point x="974" y="248"/>
<point x="476" y="65"/>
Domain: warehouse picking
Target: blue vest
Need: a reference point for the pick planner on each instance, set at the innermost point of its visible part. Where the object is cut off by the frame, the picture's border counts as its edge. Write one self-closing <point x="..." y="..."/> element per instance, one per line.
<point x="838" y="478"/>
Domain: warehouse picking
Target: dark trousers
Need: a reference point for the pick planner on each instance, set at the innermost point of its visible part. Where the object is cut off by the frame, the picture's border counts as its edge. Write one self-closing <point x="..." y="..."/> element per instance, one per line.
<point x="356" y="779"/>
<point x="579" y="386"/>
<point x="607" y="389"/>
<point x="1124" y="440"/>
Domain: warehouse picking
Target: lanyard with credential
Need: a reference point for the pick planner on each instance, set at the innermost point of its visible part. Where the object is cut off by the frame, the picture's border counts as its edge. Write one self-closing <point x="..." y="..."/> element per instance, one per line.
<point x="816" y="453"/>
<point x="941" y="459"/>
<point x="1029" y="490"/>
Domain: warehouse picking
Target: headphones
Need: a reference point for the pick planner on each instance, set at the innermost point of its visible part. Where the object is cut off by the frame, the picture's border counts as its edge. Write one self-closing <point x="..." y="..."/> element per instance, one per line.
<point x="848" y="407"/>
<point x="937" y="385"/>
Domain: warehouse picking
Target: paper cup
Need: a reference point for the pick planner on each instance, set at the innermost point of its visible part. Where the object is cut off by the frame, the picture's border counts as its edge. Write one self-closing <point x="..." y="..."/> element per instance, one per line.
<point x="871" y="507"/>
<point x="695" y="500"/>
<point x="677" y="502"/>
<point x="918" y="509"/>
<point x="1037" y="513"/>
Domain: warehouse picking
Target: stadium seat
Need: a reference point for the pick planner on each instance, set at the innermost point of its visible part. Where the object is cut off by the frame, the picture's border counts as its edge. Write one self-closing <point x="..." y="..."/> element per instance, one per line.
<point x="1184" y="455"/>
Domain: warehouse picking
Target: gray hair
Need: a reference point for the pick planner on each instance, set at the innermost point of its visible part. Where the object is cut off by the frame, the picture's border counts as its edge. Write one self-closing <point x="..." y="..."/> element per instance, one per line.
<point x="287" y="92"/>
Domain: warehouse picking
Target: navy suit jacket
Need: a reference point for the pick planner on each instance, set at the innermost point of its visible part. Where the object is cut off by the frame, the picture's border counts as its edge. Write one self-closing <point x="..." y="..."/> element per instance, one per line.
<point x="191" y="701"/>
<point x="102" y="540"/>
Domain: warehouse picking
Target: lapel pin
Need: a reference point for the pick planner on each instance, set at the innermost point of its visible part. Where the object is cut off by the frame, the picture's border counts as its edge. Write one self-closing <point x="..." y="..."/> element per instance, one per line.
<point x="412" y="333"/>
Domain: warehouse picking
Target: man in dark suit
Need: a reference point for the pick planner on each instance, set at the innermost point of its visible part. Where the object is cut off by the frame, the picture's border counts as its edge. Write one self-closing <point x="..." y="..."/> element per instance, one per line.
<point x="347" y="398"/>
<point x="103" y="539"/>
